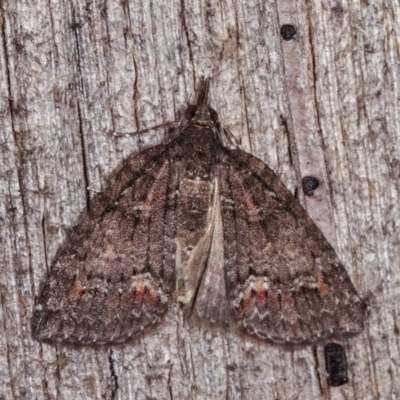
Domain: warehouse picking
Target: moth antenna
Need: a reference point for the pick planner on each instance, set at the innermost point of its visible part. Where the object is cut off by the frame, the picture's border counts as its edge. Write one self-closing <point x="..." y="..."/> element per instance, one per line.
<point x="228" y="138"/>
<point x="168" y="125"/>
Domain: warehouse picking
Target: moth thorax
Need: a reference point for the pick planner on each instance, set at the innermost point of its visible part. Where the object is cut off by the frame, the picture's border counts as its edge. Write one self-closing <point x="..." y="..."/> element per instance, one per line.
<point x="197" y="170"/>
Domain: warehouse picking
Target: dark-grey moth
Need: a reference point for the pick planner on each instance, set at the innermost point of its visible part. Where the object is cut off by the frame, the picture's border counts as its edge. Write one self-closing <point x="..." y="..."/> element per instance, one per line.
<point x="210" y="227"/>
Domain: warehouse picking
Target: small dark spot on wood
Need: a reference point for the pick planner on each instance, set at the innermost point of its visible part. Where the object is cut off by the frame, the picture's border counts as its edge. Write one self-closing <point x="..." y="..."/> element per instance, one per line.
<point x="336" y="364"/>
<point x="310" y="183"/>
<point x="287" y="31"/>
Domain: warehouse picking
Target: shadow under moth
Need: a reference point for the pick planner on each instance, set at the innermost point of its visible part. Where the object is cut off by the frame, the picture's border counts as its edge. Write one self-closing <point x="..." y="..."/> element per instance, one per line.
<point x="210" y="227"/>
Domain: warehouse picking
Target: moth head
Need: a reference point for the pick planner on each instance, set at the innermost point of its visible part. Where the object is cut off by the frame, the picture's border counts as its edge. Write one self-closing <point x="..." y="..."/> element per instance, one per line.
<point x="201" y="113"/>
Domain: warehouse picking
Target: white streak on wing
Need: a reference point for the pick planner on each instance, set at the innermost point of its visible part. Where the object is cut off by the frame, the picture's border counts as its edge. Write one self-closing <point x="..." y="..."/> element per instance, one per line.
<point x="211" y="301"/>
<point x="192" y="272"/>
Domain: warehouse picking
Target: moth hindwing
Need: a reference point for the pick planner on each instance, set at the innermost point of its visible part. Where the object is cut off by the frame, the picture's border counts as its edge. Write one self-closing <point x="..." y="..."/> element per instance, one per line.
<point x="212" y="228"/>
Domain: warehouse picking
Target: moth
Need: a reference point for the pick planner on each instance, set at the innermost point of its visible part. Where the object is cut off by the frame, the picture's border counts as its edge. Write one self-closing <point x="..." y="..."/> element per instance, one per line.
<point x="208" y="226"/>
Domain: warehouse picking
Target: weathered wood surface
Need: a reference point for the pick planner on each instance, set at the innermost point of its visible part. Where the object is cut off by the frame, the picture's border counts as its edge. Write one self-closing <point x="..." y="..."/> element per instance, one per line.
<point x="69" y="70"/>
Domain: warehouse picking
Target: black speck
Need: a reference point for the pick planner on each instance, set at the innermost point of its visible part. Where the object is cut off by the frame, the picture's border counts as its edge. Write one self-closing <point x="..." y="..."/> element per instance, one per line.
<point x="288" y="31"/>
<point x="310" y="183"/>
<point x="336" y="365"/>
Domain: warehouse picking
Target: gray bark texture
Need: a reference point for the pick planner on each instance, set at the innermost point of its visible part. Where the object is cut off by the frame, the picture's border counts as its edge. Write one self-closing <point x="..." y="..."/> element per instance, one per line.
<point x="325" y="103"/>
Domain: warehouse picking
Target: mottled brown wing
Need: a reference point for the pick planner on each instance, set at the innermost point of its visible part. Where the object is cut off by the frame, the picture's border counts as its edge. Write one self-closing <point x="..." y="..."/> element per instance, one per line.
<point x="113" y="278"/>
<point x="284" y="281"/>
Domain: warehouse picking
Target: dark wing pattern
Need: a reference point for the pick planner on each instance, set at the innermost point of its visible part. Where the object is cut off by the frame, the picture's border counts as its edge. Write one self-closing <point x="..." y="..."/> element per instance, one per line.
<point x="114" y="277"/>
<point x="284" y="281"/>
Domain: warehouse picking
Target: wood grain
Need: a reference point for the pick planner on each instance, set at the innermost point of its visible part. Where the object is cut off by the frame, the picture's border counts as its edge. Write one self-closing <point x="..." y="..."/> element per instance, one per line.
<point x="325" y="104"/>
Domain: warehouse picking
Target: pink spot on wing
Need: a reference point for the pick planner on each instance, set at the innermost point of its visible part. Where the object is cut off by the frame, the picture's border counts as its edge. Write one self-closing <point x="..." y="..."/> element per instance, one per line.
<point x="322" y="288"/>
<point x="77" y="290"/>
<point x="260" y="294"/>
